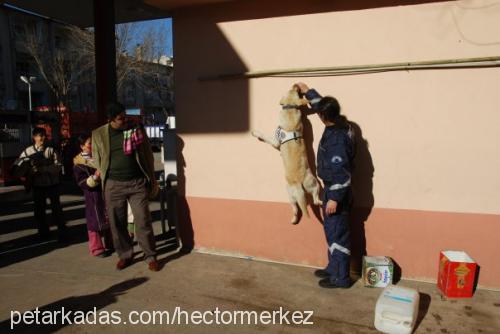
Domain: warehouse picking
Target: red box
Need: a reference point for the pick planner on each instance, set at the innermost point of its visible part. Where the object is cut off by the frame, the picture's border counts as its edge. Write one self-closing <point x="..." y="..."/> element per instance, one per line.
<point x="457" y="274"/>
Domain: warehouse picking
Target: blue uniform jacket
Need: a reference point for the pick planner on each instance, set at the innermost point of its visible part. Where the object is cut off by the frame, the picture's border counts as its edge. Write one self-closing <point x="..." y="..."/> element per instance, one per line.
<point x="335" y="154"/>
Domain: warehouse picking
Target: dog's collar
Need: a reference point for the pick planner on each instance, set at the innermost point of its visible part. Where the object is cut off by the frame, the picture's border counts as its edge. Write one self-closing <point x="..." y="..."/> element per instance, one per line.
<point x="290" y="106"/>
<point x="284" y="136"/>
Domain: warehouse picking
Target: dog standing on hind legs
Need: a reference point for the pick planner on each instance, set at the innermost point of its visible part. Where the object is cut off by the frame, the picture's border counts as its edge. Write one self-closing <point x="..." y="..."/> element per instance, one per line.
<point x="289" y="141"/>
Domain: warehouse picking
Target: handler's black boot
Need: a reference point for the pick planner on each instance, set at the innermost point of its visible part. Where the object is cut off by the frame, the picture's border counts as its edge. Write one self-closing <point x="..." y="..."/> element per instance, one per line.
<point x="321" y="273"/>
<point x="334" y="283"/>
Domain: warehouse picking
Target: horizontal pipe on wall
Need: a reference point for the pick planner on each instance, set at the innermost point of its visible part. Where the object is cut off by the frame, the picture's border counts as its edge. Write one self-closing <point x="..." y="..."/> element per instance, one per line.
<point x="363" y="69"/>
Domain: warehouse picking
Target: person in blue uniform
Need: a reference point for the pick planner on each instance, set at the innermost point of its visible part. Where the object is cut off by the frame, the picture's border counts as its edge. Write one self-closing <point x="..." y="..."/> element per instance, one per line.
<point x="334" y="162"/>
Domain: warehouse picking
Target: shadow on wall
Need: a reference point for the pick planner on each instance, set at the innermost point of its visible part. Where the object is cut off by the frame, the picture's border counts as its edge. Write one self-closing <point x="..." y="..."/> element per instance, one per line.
<point x="184" y="223"/>
<point x="259" y="9"/>
<point x="207" y="106"/>
<point x="362" y="187"/>
<point x="222" y="106"/>
<point x="311" y="159"/>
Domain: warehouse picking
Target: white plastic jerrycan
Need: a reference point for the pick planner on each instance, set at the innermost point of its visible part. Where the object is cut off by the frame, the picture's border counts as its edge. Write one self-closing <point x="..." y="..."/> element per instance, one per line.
<point x="396" y="310"/>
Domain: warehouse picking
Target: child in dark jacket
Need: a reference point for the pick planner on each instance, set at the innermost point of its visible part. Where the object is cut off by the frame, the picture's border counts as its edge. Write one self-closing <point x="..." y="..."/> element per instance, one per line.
<point x="88" y="178"/>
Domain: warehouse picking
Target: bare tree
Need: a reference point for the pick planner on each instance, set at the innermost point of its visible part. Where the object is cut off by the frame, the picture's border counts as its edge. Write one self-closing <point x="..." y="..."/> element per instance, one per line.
<point x="139" y="55"/>
<point x="65" y="66"/>
<point x="62" y="66"/>
<point x="155" y="77"/>
<point x="127" y="67"/>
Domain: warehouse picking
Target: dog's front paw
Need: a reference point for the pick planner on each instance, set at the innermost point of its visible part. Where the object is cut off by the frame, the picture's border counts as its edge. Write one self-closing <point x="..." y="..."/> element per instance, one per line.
<point x="318" y="202"/>
<point x="257" y="134"/>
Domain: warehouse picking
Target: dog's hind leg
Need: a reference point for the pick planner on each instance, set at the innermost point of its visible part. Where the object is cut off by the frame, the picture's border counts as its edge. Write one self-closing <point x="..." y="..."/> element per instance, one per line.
<point x="297" y="198"/>
<point x="311" y="185"/>
<point x="293" y="203"/>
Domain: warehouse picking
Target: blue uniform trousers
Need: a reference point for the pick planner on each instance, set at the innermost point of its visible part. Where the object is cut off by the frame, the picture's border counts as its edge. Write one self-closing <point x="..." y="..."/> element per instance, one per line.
<point x="338" y="237"/>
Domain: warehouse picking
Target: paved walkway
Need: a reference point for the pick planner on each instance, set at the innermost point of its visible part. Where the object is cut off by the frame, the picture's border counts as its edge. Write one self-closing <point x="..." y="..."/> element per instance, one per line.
<point x="50" y="277"/>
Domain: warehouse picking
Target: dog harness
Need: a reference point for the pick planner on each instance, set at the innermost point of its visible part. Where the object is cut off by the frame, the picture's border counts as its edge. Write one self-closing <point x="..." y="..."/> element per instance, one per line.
<point x="290" y="106"/>
<point x="283" y="136"/>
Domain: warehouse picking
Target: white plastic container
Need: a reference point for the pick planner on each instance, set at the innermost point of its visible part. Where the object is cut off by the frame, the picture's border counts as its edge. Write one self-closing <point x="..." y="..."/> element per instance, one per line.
<point x="396" y="310"/>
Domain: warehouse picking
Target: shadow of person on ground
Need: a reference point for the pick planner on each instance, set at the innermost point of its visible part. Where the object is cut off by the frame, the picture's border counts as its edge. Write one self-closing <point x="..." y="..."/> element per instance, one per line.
<point x="11" y="204"/>
<point x="13" y="250"/>
<point x="87" y="304"/>
<point x="28" y="247"/>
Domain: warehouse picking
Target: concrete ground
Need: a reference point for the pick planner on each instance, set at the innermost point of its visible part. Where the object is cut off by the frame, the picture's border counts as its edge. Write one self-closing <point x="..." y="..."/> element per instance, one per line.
<point x="50" y="276"/>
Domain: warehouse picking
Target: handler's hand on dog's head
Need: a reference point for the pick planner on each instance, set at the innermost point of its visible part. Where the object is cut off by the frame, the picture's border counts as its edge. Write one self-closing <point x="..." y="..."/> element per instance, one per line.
<point x="301" y="87"/>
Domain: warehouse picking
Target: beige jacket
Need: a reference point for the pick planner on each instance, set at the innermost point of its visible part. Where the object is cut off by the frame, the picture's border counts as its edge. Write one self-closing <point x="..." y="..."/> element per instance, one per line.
<point x="143" y="155"/>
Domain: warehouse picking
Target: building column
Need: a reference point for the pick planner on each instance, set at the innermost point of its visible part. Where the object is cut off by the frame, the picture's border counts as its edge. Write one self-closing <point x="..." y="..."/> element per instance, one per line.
<point x="105" y="55"/>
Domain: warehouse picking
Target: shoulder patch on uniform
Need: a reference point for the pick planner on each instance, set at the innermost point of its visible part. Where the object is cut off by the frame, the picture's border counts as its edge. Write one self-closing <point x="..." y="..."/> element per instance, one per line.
<point x="336" y="159"/>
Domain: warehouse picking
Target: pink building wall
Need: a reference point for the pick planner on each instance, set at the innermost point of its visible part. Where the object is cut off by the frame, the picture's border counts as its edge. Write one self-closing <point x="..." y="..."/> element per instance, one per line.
<point x="428" y="156"/>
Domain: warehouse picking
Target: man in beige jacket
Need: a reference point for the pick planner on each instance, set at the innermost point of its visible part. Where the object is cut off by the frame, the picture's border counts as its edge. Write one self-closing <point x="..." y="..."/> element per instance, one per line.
<point x="124" y="158"/>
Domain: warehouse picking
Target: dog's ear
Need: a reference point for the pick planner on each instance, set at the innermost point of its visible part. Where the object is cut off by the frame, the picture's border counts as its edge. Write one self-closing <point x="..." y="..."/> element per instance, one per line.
<point x="303" y="102"/>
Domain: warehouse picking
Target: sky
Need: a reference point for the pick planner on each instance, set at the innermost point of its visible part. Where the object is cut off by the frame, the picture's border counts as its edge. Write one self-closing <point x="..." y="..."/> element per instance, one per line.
<point x="161" y="24"/>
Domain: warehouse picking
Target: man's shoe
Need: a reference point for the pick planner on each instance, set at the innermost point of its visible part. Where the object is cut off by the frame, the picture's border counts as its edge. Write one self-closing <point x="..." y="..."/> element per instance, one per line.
<point x="122" y="264"/>
<point x="154" y="265"/>
<point x="327" y="283"/>
<point x="321" y="273"/>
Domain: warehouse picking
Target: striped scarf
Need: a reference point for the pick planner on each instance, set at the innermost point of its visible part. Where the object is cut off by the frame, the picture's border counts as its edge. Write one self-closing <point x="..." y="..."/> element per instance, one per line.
<point x="131" y="139"/>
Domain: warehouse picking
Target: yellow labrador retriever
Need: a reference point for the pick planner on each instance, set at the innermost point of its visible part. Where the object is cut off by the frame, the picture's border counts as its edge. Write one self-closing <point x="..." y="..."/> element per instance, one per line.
<point x="288" y="140"/>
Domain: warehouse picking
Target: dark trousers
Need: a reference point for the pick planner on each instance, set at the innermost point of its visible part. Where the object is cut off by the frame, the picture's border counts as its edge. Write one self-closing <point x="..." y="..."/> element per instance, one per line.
<point x="40" y="195"/>
<point x="116" y="194"/>
<point x="338" y="237"/>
